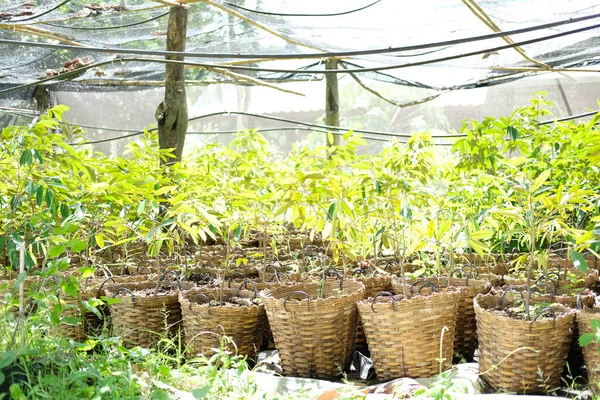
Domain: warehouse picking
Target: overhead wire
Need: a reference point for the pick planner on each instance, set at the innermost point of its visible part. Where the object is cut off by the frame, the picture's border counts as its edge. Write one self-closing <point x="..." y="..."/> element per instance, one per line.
<point x="296" y="56"/>
<point x="99" y="28"/>
<point x="332" y="129"/>
<point x="42" y="13"/>
<point x="325" y="71"/>
<point x="570" y="117"/>
<point x="303" y="15"/>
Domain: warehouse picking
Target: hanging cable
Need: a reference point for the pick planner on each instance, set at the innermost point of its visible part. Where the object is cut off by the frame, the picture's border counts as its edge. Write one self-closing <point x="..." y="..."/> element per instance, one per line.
<point x="332" y="129"/>
<point x="298" y="56"/>
<point x="571" y="117"/>
<point x="99" y="28"/>
<point x="43" y="13"/>
<point x="303" y="15"/>
<point x="331" y="71"/>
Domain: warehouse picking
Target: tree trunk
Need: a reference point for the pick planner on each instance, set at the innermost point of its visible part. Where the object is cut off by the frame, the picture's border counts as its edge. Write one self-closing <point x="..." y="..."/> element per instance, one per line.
<point x="332" y="98"/>
<point x="172" y="113"/>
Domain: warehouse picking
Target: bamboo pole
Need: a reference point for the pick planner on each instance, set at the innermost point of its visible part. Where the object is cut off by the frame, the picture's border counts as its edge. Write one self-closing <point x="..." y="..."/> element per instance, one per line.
<point x="22" y="294"/>
<point x="482" y="15"/>
<point x="332" y="99"/>
<point x="172" y="113"/>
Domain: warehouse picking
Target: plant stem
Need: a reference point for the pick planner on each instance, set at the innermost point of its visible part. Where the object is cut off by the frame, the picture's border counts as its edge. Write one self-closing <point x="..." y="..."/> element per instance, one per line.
<point x="22" y="294"/>
<point x="531" y="255"/>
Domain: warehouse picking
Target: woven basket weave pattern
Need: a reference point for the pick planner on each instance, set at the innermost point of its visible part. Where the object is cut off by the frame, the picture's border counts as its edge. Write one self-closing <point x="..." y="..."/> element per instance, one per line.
<point x="405" y="342"/>
<point x="465" y="338"/>
<point x="591" y="352"/>
<point x="141" y="321"/>
<point x="244" y="324"/>
<point x="373" y="285"/>
<point x="510" y="370"/>
<point x="314" y="339"/>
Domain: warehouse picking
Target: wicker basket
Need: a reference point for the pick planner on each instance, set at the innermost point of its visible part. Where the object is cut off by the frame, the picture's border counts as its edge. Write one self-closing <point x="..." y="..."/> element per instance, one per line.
<point x="141" y="321"/>
<point x="279" y="273"/>
<point x="373" y="285"/>
<point x="591" y="352"/>
<point x="505" y="360"/>
<point x="465" y="338"/>
<point x="204" y="324"/>
<point x="90" y="323"/>
<point x="314" y="335"/>
<point x="587" y="281"/>
<point x="404" y="334"/>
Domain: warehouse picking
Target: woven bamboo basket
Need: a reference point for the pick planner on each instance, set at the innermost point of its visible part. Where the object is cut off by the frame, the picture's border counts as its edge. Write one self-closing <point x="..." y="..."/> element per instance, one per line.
<point x="591" y="352"/>
<point x="586" y="281"/>
<point x="90" y="323"/>
<point x="504" y="361"/>
<point x="279" y="273"/>
<point x="142" y="320"/>
<point x="404" y="334"/>
<point x="592" y="261"/>
<point x="465" y="338"/>
<point x="314" y="331"/>
<point x="203" y="324"/>
<point x="373" y="285"/>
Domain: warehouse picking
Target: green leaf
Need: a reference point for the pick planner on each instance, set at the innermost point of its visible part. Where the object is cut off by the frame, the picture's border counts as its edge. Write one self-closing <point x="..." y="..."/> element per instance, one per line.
<point x="159" y="394"/>
<point x="86" y="272"/>
<point x="64" y="210"/>
<point x="579" y="261"/>
<point x="586" y="339"/>
<point x="49" y="198"/>
<point x="330" y="138"/>
<point x="91" y="308"/>
<point x="237" y="234"/>
<point x="76" y="245"/>
<point x="99" y="240"/>
<point x="331" y="210"/>
<point x="201" y="393"/>
<point x="71" y="320"/>
<point x="165" y="189"/>
<point x="110" y="300"/>
<point x="540" y="180"/>
<point x="7" y="358"/>
<point x="38" y="156"/>
<point x="513" y="132"/>
<point x="26" y="158"/>
<point x="39" y="195"/>
<point x="141" y="208"/>
<point x="16" y="392"/>
<point x="56" y="251"/>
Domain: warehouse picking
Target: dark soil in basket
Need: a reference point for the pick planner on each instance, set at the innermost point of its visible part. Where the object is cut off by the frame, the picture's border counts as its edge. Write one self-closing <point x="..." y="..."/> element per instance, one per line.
<point x="202" y="278"/>
<point x="234" y="303"/>
<point x="149" y="292"/>
<point x="518" y="313"/>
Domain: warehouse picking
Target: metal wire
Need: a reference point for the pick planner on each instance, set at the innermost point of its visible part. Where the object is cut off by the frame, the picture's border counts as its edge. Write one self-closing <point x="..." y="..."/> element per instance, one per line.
<point x="388" y="50"/>
<point x="303" y="15"/>
<point x="98" y="28"/>
<point x="43" y="13"/>
<point x="571" y="117"/>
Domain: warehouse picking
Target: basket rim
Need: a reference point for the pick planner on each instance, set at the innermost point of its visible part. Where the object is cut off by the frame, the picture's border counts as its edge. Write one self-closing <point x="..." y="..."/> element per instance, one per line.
<point x="563" y="315"/>
<point x="194" y="305"/>
<point x="418" y="298"/>
<point x="267" y="294"/>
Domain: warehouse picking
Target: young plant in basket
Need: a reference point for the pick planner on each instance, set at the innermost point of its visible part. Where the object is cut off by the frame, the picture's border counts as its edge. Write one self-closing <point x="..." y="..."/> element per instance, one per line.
<point x="537" y="213"/>
<point x="511" y="356"/>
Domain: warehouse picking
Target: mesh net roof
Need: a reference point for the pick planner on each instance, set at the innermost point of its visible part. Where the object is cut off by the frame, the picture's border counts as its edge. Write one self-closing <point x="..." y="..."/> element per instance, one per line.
<point x="70" y="42"/>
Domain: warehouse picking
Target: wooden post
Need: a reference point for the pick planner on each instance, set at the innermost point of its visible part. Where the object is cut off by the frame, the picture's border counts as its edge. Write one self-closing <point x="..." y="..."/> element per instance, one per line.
<point x="332" y="99"/>
<point x="41" y="94"/>
<point x="172" y="112"/>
